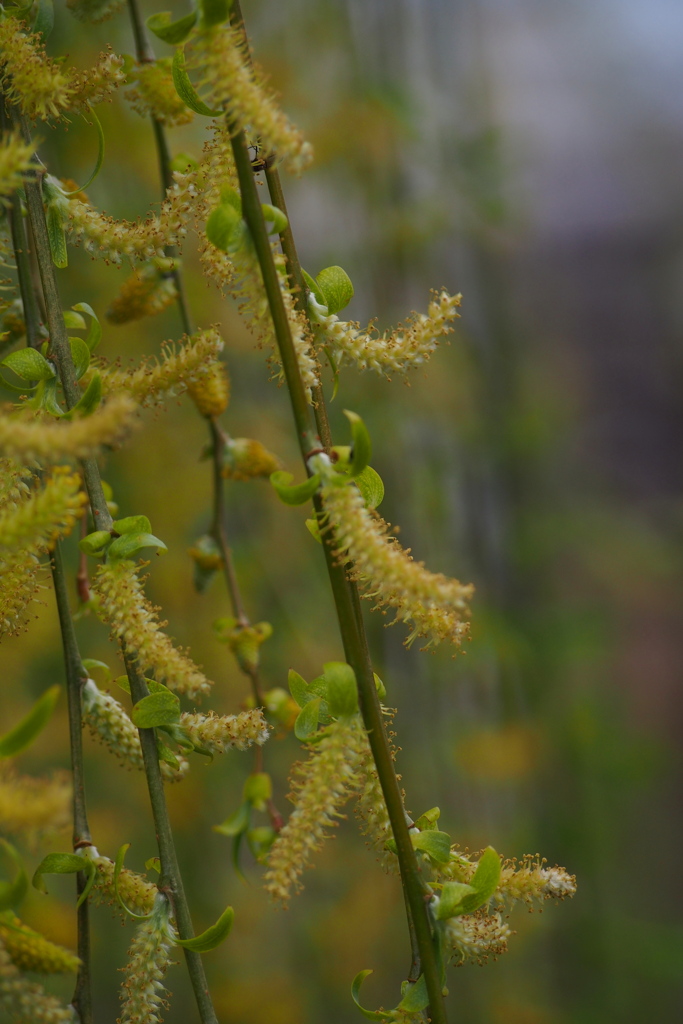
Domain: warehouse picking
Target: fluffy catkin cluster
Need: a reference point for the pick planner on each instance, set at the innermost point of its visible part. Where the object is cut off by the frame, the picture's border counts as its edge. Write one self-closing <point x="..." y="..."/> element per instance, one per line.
<point x="15" y="159"/>
<point x="31" y="807"/>
<point x="94" y="10"/>
<point x="394" y="351"/>
<point x="477" y="936"/>
<point x="211" y="392"/>
<point x="109" y="722"/>
<point x="32" y="437"/>
<point x="433" y="604"/>
<point x="147" y="291"/>
<point x="372" y="813"/>
<point x="121" y="603"/>
<point x="529" y="881"/>
<point x="142" y="992"/>
<point x="26" y="1002"/>
<point x="135" y="890"/>
<point x="96" y="84"/>
<point x="46" y="514"/>
<point x="154" y="94"/>
<point x="320" y="788"/>
<point x="21" y="574"/>
<point x="220" y="54"/>
<point x="184" y="365"/>
<point x="30" y="78"/>
<point x="246" y="459"/>
<point x="218" y="733"/>
<point x="30" y="951"/>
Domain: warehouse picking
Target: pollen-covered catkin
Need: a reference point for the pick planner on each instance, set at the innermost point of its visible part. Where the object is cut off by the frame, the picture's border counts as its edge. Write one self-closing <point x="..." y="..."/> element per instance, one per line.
<point x="211" y="392"/>
<point x="320" y="788"/>
<point x="433" y="604"/>
<point x="243" y="458"/>
<point x="372" y="814"/>
<point x="154" y="94"/>
<point x="135" y="890"/>
<point x="38" y="84"/>
<point x="26" y="1002"/>
<point x="46" y="514"/>
<point x="396" y="351"/>
<point x="229" y="83"/>
<point x="218" y="733"/>
<point x="33" y="438"/>
<point x="477" y="936"/>
<point x="31" y="951"/>
<point x="121" y="603"/>
<point x="142" y="992"/>
<point x="529" y="881"/>
<point x="109" y="722"/>
<point x="15" y="160"/>
<point x="147" y="291"/>
<point x="31" y="807"/>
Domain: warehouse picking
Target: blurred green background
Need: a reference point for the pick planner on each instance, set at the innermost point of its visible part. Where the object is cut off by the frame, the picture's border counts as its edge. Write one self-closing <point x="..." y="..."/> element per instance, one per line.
<point x="529" y="154"/>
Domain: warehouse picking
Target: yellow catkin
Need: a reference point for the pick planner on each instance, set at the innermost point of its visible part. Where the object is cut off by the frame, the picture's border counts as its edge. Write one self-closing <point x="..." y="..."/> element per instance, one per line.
<point x="142" y="992"/>
<point x="219" y="733"/>
<point x="109" y="722"/>
<point x="320" y="788"/>
<point x="26" y="1002"/>
<point x="396" y="351"/>
<point x="228" y="82"/>
<point x="372" y="813"/>
<point x="528" y="881"/>
<point x="47" y="513"/>
<point x="97" y="84"/>
<point x="211" y="394"/>
<point x="184" y="364"/>
<point x="28" y="76"/>
<point x="15" y="159"/>
<point x="476" y="936"/>
<point x="94" y="10"/>
<point x="121" y="603"/>
<point x="154" y="94"/>
<point x="135" y="890"/>
<point x="33" y="437"/>
<point x="246" y="459"/>
<point x="22" y="578"/>
<point x="149" y="290"/>
<point x="32" y="806"/>
<point x="30" y="951"/>
<point x="435" y="606"/>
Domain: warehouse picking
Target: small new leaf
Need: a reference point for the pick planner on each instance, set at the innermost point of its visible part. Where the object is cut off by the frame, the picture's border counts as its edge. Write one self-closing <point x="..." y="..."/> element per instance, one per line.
<point x="118" y="867"/>
<point x="370" y="485"/>
<point x="416" y="997"/>
<point x="293" y="494"/>
<point x="362" y="446"/>
<point x="172" y="32"/>
<point x="156" y="709"/>
<point x="436" y="844"/>
<point x="64" y="864"/>
<point x="80" y="353"/>
<point x="355" y="992"/>
<point x="213" y="936"/>
<point x="214" y="12"/>
<point x="452" y="895"/>
<point x="342" y="689"/>
<point x="274" y="218"/>
<point x="307" y="720"/>
<point x="313" y="287"/>
<point x="57" y="236"/>
<point x="336" y="287"/>
<point x="484" y="881"/>
<point x="29" y="365"/>
<point x="225" y="228"/>
<point x="95" y="543"/>
<point x="24" y="733"/>
<point x="12" y="893"/>
<point x="132" y="524"/>
<point x="236" y="823"/>
<point x="89" y="400"/>
<point x="130" y="544"/>
<point x="94" y="334"/>
<point x="186" y="90"/>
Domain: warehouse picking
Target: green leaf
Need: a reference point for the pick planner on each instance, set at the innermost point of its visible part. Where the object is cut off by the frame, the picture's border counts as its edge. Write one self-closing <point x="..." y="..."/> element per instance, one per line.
<point x="73" y="321"/>
<point x="337" y="290"/>
<point x="314" y="529"/>
<point x="132" y="524"/>
<point x="342" y="689"/>
<point x="47" y="397"/>
<point x="95" y="330"/>
<point x="130" y="544"/>
<point x="370" y="485"/>
<point x="152" y="685"/>
<point x="429" y="819"/>
<point x="298" y="687"/>
<point x="294" y="494"/>
<point x="362" y="447"/>
<point x="90" y="664"/>
<point x="231" y="197"/>
<point x="416" y="997"/>
<point x="24" y="733"/>
<point x="57" y="236"/>
<point x="166" y="755"/>
<point x="355" y="992"/>
<point x="28" y="364"/>
<point x="436" y="844"/>
<point x="80" y="353"/>
<point x="452" y="895"/>
<point x="484" y="881"/>
<point x="225" y="228"/>
<point x="95" y="543"/>
<point x="258" y="789"/>
<point x="273" y="215"/>
<point x="118" y="867"/>
<point x="313" y="287"/>
<point x="44" y="20"/>
<point x="12" y="893"/>
<point x="156" y="709"/>
<point x="153" y="864"/>
<point x="172" y="32"/>
<point x="213" y="936"/>
<point x="89" y="400"/>
<point x="379" y="686"/>
<point x="260" y="840"/>
<point x="307" y="720"/>
<point x="185" y="89"/>
<point x="64" y="864"/>
<point x="236" y="823"/>
<point x="214" y="12"/>
<point x="100" y="153"/>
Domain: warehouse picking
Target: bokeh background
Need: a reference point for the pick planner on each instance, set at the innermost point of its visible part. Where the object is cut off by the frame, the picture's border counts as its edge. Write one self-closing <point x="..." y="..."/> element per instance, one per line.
<point x="530" y="154"/>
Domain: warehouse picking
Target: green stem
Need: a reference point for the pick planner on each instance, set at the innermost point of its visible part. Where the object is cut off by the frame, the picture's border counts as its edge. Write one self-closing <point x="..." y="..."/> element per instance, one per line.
<point x="344" y="591"/>
<point x="170" y="879"/>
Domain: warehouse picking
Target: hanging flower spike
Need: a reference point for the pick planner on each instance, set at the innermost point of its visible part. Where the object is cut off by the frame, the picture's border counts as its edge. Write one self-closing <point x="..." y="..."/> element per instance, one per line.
<point x="48" y="513"/>
<point x="372" y="813"/>
<point x="97" y="84"/>
<point x="109" y="722"/>
<point x="433" y="604"/>
<point x="26" y="1002"/>
<point x="28" y="76"/>
<point x="211" y="393"/>
<point x="15" y="159"/>
<point x="529" y="881"/>
<point x="135" y="890"/>
<point x="219" y="733"/>
<point x="149" y="290"/>
<point x="154" y="94"/>
<point x="220" y="54"/>
<point x="31" y="951"/>
<point x="396" y="351"/>
<point x="30" y="437"/>
<point x="31" y="807"/>
<point x="320" y="788"/>
<point x="121" y="603"/>
<point x="142" y="993"/>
